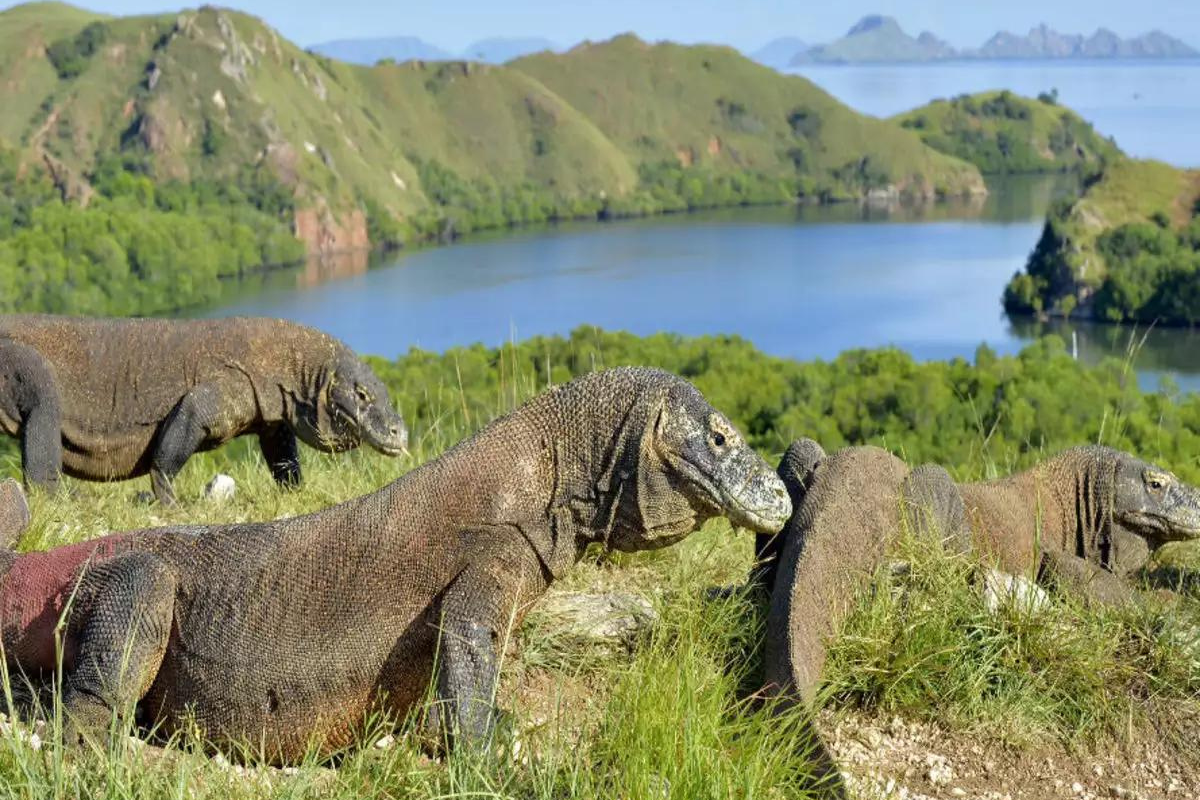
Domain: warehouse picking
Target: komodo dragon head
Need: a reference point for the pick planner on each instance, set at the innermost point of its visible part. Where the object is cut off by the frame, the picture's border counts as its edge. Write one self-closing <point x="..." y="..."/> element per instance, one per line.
<point x="357" y="410"/>
<point x="1153" y="503"/>
<point x="693" y="465"/>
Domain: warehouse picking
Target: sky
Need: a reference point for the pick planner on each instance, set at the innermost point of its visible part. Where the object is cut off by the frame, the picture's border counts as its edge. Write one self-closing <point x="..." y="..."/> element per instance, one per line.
<point x="747" y="24"/>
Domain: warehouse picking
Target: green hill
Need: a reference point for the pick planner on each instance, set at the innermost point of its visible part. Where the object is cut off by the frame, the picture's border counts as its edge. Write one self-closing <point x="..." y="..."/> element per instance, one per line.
<point x="1000" y="132"/>
<point x="710" y="107"/>
<point x="204" y="133"/>
<point x="1128" y="249"/>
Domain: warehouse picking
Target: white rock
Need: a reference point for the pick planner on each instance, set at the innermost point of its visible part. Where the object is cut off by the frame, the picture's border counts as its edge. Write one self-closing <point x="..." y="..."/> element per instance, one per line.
<point x="1001" y="590"/>
<point x="221" y="488"/>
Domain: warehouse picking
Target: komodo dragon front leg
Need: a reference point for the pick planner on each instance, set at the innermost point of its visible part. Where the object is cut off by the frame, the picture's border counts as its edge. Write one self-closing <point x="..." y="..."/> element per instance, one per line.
<point x="1090" y="581"/>
<point x="198" y="417"/>
<point x="479" y="612"/>
<point x="29" y="397"/>
<point x="282" y="453"/>
<point x="119" y="622"/>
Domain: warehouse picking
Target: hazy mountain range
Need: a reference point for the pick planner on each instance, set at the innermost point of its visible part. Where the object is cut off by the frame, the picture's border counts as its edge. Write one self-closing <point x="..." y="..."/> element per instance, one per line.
<point x="877" y="38"/>
<point x="495" y="50"/>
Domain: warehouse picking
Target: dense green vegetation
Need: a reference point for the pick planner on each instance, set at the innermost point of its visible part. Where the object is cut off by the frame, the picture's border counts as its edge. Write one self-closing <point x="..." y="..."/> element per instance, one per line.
<point x="1127" y="250"/>
<point x="994" y="414"/>
<point x="384" y="155"/>
<point x="138" y="247"/>
<point x="1001" y="132"/>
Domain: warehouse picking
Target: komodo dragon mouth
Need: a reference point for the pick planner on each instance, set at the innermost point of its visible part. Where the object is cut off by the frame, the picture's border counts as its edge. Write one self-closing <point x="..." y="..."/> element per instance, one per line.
<point x="744" y="492"/>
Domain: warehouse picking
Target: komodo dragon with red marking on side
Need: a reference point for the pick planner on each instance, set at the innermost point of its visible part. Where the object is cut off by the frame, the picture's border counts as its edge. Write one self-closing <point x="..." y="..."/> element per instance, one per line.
<point x="110" y="399"/>
<point x="289" y="634"/>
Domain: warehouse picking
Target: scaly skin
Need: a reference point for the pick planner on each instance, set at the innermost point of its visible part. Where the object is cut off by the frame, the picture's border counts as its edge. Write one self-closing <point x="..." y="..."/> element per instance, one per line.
<point x="289" y="633"/>
<point x="846" y="508"/>
<point x="1084" y="519"/>
<point x="111" y="399"/>
<point x="14" y="512"/>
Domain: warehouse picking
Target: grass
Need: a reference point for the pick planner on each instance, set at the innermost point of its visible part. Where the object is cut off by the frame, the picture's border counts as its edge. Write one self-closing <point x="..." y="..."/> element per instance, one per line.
<point x="672" y="719"/>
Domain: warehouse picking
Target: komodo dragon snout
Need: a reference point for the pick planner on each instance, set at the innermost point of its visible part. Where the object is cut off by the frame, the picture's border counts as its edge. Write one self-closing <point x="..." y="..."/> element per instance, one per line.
<point x="361" y="411"/>
<point x="697" y="466"/>
<point x="1153" y="503"/>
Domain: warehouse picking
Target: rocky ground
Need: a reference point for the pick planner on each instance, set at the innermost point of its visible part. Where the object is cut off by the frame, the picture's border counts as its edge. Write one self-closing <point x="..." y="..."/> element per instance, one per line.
<point x="895" y="759"/>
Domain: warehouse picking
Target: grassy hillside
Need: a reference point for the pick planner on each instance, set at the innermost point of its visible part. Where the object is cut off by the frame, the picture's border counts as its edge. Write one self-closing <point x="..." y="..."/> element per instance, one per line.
<point x="1000" y="132"/>
<point x="1128" y="249"/>
<point x="715" y="109"/>
<point x="670" y="718"/>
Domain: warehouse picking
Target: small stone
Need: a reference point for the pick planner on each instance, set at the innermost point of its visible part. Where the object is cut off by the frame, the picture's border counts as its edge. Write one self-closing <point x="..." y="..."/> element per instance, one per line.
<point x="385" y="742"/>
<point x="957" y="792"/>
<point x="1077" y="787"/>
<point x="221" y="488"/>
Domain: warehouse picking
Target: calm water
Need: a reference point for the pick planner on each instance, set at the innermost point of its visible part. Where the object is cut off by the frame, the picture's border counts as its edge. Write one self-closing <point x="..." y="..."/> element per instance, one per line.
<point x="1152" y="109"/>
<point x="805" y="283"/>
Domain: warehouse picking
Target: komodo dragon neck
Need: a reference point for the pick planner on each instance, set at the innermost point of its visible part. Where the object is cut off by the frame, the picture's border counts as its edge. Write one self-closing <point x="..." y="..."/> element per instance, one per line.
<point x="559" y="475"/>
<point x="1077" y="487"/>
<point x="1065" y="502"/>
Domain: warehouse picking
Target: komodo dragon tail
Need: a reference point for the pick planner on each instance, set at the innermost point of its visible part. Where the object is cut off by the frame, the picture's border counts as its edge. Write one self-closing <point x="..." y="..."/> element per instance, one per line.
<point x="845" y="507"/>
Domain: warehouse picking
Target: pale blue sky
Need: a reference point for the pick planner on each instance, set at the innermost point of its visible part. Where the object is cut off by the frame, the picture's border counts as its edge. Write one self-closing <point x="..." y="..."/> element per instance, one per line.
<point x="453" y="24"/>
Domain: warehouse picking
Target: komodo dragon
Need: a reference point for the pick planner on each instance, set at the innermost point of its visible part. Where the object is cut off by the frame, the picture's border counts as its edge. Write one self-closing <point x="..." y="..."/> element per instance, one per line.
<point x="289" y="633"/>
<point x="1085" y="519"/>
<point x="110" y="399"/>
<point x="846" y="508"/>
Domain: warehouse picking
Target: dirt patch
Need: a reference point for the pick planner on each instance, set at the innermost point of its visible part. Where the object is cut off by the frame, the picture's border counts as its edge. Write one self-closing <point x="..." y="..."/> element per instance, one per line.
<point x="895" y="758"/>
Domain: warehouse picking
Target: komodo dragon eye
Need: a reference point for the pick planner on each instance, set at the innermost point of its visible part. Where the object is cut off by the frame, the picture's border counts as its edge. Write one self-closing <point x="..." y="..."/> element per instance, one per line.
<point x="718" y="439"/>
<point x="1156" y="482"/>
<point x="363" y="394"/>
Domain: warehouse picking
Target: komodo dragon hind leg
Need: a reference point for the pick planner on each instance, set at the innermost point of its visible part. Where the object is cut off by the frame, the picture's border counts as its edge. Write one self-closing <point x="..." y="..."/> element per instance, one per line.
<point x="279" y="448"/>
<point x="193" y="419"/>
<point x="120" y="622"/>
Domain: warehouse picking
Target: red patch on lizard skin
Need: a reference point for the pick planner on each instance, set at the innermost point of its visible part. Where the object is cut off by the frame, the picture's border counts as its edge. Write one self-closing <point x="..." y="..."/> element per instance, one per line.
<point x="34" y="593"/>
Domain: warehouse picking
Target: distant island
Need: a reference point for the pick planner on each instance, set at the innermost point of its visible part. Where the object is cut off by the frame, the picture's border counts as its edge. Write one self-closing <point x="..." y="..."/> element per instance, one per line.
<point x="880" y="39"/>
<point x="368" y="52"/>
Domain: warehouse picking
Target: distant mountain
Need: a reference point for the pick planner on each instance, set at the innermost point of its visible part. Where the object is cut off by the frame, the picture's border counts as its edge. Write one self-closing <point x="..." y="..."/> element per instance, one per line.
<point x="877" y="38"/>
<point x="778" y="53"/>
<point x="1044" y="42"/>
<point x="371" y="51"/>
<point x="501" y="50"/>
